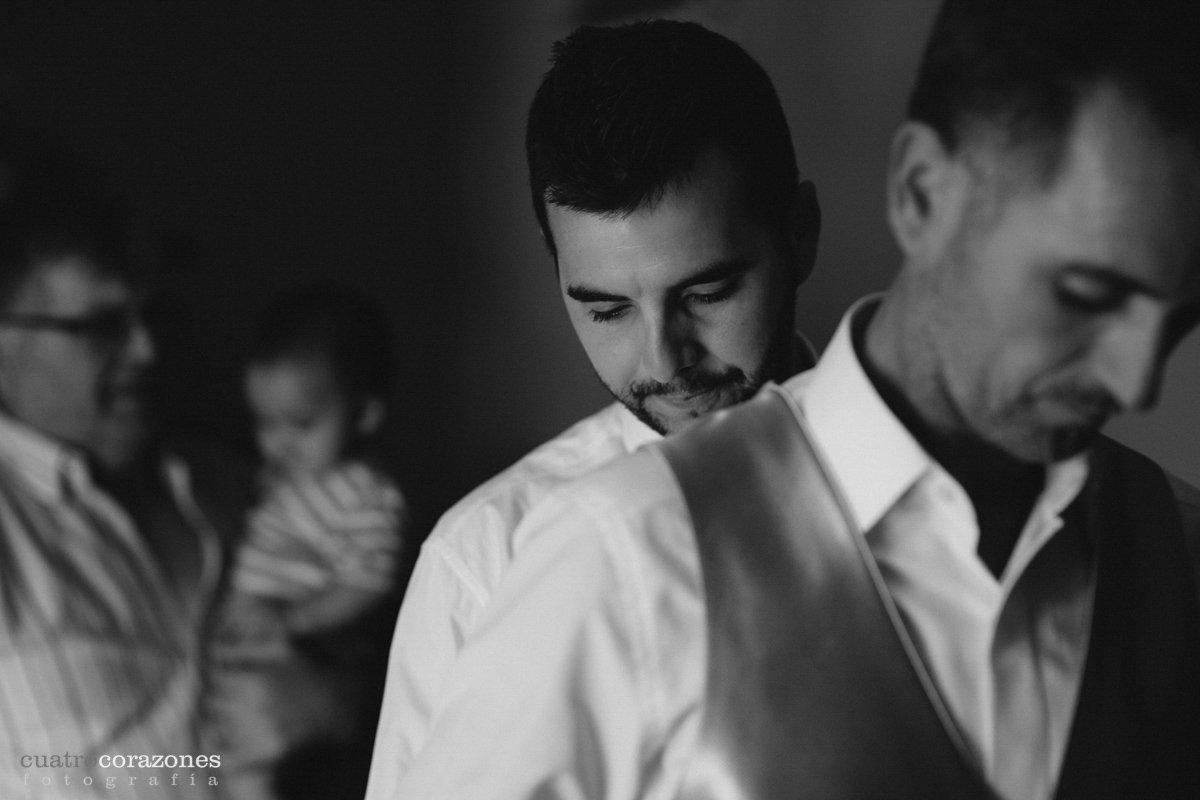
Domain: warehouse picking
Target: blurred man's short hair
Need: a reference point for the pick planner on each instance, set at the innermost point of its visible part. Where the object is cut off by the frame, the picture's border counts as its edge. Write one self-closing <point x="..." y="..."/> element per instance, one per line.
<point x="1019" y="69"/>
<point x="49" y="210"/>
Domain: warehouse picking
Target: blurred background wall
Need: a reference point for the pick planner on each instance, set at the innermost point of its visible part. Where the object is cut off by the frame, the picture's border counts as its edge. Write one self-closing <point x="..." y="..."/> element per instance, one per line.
<point x="381" y="144"/>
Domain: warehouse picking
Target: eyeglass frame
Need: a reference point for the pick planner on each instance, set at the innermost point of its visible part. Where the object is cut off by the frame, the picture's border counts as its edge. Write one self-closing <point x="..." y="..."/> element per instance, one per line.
<point x="113" y="325"/>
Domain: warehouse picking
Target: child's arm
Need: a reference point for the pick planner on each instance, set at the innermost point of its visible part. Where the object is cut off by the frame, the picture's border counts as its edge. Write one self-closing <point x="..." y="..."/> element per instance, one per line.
<point x="330" y="609"/>
<point x="362" y="517"/>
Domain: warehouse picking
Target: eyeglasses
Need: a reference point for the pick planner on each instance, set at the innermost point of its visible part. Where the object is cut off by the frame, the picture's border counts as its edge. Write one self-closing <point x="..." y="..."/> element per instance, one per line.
<point x="112" y="325"/>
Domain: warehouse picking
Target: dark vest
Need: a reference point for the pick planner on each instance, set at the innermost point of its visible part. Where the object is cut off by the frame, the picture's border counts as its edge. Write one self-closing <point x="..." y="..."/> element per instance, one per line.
<point x="814" y="688"/>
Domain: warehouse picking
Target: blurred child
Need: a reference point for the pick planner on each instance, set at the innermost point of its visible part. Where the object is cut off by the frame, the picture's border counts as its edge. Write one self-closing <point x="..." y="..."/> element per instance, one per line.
<point x="323" y="544"/>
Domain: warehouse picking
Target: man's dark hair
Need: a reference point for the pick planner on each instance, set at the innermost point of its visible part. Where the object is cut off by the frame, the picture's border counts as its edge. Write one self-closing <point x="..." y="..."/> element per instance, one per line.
<point x="50" y="210"/>
<point x="626" y="113"/>
<point x="334" y="324"/>
<point x="1020" y="68"/>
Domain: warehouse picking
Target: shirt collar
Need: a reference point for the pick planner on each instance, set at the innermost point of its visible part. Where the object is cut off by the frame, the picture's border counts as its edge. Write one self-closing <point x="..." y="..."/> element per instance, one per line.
<point x="47" y="465"/>
<point x="872" y="456"/>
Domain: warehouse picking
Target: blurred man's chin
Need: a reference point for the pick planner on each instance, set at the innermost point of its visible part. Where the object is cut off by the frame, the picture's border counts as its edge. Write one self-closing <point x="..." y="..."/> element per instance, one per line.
<point x="1049" y="445"/>
<point x="1069" y="442"/>
<point x="123" y="431"/>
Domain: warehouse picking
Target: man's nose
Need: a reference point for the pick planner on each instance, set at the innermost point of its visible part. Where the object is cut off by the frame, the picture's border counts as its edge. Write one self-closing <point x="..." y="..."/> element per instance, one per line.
<point x="1129" y="361"/>
<point x="670" y="347"/>
<point x="139" y="346"/>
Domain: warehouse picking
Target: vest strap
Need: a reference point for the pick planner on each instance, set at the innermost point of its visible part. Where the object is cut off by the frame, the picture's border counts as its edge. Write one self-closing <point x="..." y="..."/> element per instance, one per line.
<point x="814" y="688"/>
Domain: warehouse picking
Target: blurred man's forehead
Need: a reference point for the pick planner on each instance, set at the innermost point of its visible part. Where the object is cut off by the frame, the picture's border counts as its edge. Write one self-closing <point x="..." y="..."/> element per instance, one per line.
<point x="1138" y="184"/>
<point x="70" y="284"/>
<point x="1124" y="194"/>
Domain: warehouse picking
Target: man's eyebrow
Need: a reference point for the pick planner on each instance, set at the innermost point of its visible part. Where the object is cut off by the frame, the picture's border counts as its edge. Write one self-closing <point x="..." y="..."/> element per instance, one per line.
<point x="717" y="271"/>
<point x="585" y="294"/>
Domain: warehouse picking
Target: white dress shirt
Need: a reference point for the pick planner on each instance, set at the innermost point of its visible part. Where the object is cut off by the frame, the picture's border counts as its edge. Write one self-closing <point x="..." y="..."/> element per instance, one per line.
<point x="584" y="678"/>
<point x="461" y="563"/>
<point x="99" y="652"/>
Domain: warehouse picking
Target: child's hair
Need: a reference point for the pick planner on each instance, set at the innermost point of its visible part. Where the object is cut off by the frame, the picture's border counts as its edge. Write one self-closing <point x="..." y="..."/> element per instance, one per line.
<point x="334" y="324"/>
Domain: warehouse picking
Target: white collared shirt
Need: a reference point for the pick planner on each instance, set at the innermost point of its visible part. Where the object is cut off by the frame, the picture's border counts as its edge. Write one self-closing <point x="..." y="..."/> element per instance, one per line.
<point x="98" y="652"/>
<point x="584" y="678"/>
<point x="461" y="563"/>
<point x="1007" y="655"/>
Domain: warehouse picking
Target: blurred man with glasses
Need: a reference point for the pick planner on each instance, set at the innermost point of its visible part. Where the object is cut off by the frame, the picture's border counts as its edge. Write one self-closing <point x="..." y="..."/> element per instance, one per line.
<point x="110" y="551"/>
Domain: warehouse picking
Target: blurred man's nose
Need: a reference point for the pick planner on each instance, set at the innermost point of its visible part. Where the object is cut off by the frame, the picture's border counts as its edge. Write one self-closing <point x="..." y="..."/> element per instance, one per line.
<point x="139" y="345"/>
<point x="1129" y="360"/>
<point x="669" y="348"/>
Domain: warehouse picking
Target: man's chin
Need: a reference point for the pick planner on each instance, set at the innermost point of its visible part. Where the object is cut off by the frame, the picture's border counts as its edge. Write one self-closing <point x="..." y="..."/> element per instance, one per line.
<point x="1050" y="445"/>
<point x="671" y="415"/>
<point x="123" y="431"/>
<point x="663" y="425"/>
<point x="1058" y="425"/>
<point x="1069" y="442"/>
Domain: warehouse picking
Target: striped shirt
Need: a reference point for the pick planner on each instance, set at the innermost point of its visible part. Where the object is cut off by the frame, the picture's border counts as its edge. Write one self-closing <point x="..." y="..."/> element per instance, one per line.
<point x="342" y="527"/>
<point x="99" y="654"/>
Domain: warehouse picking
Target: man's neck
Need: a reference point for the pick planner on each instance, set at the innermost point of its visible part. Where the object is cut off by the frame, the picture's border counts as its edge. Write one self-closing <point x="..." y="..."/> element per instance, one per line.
<point x="801" y="356"/>
<point x="1002" y="489"/>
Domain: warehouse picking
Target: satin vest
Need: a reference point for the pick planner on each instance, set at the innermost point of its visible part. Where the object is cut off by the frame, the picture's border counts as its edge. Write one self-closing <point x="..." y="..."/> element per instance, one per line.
<point x="814" y="688"/>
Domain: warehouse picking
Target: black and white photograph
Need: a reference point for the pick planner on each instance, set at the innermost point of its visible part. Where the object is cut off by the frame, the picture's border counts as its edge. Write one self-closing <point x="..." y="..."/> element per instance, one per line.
<point x="600" y="400"/>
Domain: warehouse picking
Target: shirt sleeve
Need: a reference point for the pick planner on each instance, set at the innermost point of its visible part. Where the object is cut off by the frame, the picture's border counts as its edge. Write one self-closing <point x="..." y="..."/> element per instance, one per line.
<point x="557" y="692"/>
<point x="427" y="638"/>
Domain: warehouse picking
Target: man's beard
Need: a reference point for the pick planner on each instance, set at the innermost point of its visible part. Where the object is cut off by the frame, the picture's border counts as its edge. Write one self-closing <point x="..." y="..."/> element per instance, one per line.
<point x="733" y="382"/>
<point x="1092" y="408"/>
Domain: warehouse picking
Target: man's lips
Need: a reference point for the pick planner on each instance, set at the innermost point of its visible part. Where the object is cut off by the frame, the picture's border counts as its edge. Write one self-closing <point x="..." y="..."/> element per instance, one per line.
<point x="129" y="383"/>
<point x="1059" y="411"/>
<point x="690" y="401"/>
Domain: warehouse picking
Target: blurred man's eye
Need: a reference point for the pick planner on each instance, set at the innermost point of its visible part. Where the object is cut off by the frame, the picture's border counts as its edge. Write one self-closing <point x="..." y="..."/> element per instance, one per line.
<point x="1089" y="293"/>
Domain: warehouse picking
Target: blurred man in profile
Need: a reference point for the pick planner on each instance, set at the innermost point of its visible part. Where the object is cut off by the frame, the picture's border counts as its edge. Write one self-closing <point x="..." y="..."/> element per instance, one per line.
<point x="664" y="179"/>
<point x="110" y="552"/>
<point x="917" y="570"/>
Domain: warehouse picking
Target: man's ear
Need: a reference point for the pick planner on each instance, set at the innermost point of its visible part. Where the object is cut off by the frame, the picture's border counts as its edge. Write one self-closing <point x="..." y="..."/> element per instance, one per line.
<point x="926" y="188"/>
<point x="804" y="229"/>
<point x="370" y="418"/>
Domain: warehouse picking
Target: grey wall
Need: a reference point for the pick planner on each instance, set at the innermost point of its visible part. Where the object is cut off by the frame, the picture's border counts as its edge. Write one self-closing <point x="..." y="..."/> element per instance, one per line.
<point x="382" y="143"/>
